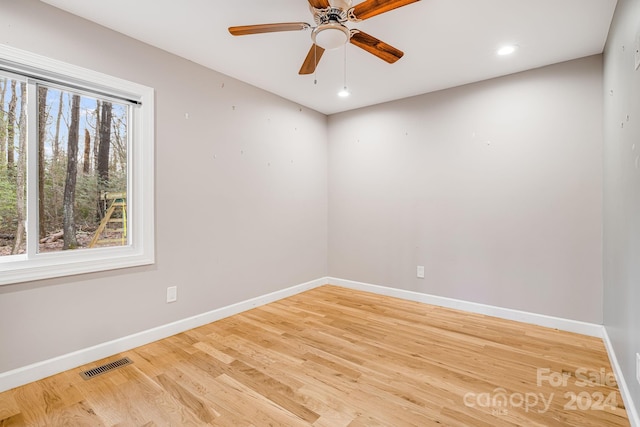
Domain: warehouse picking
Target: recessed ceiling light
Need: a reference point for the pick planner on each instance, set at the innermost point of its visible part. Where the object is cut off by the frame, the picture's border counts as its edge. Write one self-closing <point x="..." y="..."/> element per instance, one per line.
<point x="507" y="50"/>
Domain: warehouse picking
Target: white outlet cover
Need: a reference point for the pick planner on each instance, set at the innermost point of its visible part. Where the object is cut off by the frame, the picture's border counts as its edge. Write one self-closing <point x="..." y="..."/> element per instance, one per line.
<point x="172" y="293"/>
<point x="420" y="272"/>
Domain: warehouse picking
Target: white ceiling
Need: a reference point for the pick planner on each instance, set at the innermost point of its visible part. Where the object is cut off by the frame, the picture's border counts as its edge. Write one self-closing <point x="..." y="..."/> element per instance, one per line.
<point x="446" y="42"/>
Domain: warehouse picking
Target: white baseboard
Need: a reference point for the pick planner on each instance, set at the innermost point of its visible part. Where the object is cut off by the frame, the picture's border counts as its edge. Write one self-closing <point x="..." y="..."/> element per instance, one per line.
<point x="632" y="412"/>
<point x="568" y="325"/>
<point x="46" y="368"/>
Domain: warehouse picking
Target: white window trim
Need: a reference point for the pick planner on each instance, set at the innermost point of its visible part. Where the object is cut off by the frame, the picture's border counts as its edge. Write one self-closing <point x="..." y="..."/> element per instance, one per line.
<point x="140" y="203"/>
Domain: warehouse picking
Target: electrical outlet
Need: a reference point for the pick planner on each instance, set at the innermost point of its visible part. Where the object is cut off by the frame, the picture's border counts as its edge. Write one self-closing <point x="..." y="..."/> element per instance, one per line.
<point x="172" y="294"/>
<point x="638" y="367"/>
<point x="420" y="272"/>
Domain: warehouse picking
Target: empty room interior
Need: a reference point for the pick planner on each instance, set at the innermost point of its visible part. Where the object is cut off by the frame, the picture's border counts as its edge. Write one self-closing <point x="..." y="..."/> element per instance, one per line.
<point x="455" y="243"/>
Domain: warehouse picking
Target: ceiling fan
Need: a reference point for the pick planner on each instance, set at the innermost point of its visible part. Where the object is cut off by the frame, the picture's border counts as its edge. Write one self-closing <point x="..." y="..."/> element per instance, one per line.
<point x="331" y="32"/>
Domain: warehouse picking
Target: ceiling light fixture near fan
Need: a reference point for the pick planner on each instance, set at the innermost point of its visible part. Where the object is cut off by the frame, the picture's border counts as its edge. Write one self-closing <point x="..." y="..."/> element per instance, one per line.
<point x="331" y="32"/>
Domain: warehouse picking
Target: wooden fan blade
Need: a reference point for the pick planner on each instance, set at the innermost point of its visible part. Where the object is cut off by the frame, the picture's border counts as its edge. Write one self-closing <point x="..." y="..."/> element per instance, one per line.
<point x="376" y="47"/>
<point x="268" y="28"/>
<point x="369" y="8"/>
<point x="319" y="4"/>
<point x="311" y="61"/>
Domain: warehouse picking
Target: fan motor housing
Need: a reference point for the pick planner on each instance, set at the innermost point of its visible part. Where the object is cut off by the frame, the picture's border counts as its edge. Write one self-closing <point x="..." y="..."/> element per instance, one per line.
<point x="330" y="14"/>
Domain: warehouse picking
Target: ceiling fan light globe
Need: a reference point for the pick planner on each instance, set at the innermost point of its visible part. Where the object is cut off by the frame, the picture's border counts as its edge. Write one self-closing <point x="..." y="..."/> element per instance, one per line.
<point x="330" y="36"/>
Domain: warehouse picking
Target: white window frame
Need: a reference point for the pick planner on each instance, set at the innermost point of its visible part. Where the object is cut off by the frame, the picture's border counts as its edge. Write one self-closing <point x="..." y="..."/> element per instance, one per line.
<point x="140" y="176"/>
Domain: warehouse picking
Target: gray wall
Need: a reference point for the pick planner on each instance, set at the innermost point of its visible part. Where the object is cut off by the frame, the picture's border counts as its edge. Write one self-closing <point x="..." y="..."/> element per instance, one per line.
<point x="622" y="191"/>
<point x="229" y="227"/>
<point x="494" y="187"/>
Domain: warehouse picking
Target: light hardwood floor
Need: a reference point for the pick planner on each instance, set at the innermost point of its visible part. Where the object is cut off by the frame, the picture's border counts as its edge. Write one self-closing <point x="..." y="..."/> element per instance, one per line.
<point x="336" y="357"/>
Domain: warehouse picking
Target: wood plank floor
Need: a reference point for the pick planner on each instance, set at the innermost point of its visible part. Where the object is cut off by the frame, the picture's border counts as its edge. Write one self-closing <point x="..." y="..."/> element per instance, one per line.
<point x="335" y="357"/>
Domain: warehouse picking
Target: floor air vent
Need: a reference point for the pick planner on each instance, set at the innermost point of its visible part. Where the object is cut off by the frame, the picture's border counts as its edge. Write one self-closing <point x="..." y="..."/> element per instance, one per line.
<point x="87" y="375"/>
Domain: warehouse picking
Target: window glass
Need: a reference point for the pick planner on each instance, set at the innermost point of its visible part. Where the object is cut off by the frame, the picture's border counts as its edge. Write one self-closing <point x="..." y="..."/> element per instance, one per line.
<point x="13" y="150"/>
<point x="82" y="174"/>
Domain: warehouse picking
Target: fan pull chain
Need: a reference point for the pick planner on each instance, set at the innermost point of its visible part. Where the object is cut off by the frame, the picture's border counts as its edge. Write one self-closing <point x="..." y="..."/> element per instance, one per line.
<point x="344" y="92"/>
<point x="345" y="67"/>
<point x="315" y="64"/>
